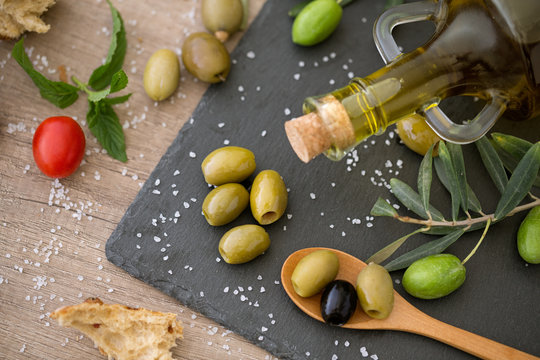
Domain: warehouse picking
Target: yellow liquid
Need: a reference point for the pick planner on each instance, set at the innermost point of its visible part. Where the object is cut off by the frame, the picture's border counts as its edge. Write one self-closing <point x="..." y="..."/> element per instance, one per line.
<point x="470" y="55"/>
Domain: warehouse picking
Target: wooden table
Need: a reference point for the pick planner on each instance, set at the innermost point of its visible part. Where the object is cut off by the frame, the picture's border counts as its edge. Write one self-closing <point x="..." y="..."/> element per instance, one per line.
<point x="53" y="233"/>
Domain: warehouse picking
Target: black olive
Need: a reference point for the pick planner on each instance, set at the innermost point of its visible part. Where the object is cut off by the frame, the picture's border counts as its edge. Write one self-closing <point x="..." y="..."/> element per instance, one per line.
<point x="338" y="302"/>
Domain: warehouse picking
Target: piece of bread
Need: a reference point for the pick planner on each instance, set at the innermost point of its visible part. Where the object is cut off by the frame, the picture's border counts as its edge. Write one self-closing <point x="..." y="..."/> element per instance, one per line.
<point x="18" y="16"/>
<point x="121" y="332"/>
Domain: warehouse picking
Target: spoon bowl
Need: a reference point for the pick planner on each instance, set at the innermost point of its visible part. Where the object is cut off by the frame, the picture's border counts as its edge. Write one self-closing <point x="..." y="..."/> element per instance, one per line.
<point x="404" y="316"/>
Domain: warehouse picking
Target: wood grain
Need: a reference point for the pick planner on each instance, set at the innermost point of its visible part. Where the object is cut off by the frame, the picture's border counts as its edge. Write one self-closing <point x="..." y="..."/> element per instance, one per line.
<point x="53" y="234"/>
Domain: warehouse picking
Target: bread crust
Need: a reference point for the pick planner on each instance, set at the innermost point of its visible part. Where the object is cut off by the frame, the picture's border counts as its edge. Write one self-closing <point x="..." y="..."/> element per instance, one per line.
<point x="18" y="16"/>
<point x="122" y="332"/>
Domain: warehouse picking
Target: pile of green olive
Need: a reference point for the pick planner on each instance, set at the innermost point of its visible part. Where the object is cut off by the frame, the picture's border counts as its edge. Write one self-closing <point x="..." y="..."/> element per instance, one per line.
<point x="226" y="168"/>
<point x="203" y="54"/>
<point x="317" y="272"/>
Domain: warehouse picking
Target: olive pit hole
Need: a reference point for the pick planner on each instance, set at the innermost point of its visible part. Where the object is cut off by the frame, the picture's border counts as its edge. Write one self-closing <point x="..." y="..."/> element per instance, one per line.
<point x="269" y="217"/>
<point x="374" y="313"/>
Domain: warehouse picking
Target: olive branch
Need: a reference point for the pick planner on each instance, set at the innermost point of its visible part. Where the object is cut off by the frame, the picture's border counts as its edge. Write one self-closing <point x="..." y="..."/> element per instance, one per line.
<point x="499" y="154"/>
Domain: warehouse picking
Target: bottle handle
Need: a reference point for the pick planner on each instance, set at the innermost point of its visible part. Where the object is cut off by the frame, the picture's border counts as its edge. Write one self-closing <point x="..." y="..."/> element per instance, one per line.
<point x="435" y="117"/>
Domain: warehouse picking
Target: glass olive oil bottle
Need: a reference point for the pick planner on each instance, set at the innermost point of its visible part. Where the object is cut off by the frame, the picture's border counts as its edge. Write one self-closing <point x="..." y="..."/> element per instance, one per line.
<point x="489" y="49"/>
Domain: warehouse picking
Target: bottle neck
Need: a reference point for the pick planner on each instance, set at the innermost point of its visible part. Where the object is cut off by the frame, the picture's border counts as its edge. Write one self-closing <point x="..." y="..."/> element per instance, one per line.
<point x="470" y="55"/>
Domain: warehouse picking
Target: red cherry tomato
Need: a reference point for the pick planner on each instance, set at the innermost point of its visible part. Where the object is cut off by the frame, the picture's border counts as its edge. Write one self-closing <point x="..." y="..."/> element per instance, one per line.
<point x="58" y="146"/>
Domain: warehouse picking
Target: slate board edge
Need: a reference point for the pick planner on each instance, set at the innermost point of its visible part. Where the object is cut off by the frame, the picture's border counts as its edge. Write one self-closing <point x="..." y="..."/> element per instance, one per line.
<point x="176" y="291"/>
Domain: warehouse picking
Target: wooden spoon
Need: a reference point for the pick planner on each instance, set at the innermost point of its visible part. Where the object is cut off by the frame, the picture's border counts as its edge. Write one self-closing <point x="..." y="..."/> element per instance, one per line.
<point x="404" y="316"/>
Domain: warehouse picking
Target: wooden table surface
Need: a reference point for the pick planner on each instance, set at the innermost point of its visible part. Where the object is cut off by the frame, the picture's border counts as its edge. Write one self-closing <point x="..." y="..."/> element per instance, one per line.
<point x="53" y="233"/>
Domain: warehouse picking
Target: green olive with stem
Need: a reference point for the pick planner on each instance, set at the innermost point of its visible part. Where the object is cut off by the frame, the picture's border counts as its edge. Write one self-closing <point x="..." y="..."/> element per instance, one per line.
<point x="206" y="58"/>
<point x="222" y="17"/>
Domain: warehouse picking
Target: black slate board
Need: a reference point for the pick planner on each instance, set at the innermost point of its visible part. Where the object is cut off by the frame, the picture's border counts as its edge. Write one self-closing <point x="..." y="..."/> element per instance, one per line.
<point x="164" y="240"/>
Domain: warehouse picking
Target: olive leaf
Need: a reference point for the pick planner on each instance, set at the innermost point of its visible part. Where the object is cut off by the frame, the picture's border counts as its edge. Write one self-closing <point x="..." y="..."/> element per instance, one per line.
<point x="411" y="199"/>
<point x="511" y="158"/>
<point x="453" y="186"/>
<point x="444" y="230"/>
<point x="493" y="163"/>
<point x="474" y="202"/>
<point x="388" y="250"/>
<point x="382" y="208"/>
<point x="295" y="10"/>
<point x="436" y="246"/>
<point x="520" y="182"/>
<point x="425" y="177"/>
<point x="391" y="3"/>
<point x="513" y="145"/>
<point x="459" y="167"/>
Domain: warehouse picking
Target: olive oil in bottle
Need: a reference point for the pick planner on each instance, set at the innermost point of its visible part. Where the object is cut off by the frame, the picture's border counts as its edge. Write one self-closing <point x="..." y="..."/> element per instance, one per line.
<point x="489" y="49"/>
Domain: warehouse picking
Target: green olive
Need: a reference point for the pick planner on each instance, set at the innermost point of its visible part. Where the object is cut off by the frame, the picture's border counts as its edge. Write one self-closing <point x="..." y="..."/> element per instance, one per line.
<point x="316" y="22"/>
<point x="434" y="276"/>
<point x="225" y="203"/>
<point x="314" y="271"/>
<point x="528" y="239"/>
<point x="375" y="291"/>
<point x="206" y="58"/>
<point x="229" y="164"/>
<point x="161" y="74"/>
<point x="268" y="197"/>
<point x="417" y="135"/>
<point x="222" y="17"/>
<point x="243" y="243"/>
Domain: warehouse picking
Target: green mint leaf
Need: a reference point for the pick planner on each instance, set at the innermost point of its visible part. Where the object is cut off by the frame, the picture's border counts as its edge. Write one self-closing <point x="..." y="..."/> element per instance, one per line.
<point x="382" y="208"/>
<point x="104" y="124"/>
<point x="425" y="176"/>
<point x="492" y="163"/>
<point x="101" y="77"/>
<point x="430" y="248"/>
<point x="118" y="82"/>
<point x="57" y="92"/>
<point x="117" y="100"/>
<point x="96" y="96"/>
<point x="520" y="182"/>
<point x="411" y="199"/>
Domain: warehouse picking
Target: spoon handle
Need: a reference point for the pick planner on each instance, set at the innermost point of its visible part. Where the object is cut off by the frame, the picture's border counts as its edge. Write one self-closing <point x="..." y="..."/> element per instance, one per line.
<point x="476" y="345"/>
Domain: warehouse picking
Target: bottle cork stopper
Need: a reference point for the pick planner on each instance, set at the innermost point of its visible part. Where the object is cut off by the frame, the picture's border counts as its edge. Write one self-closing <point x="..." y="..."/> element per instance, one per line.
<point x="313" y="134"/>
<point x="308" y="136"/>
